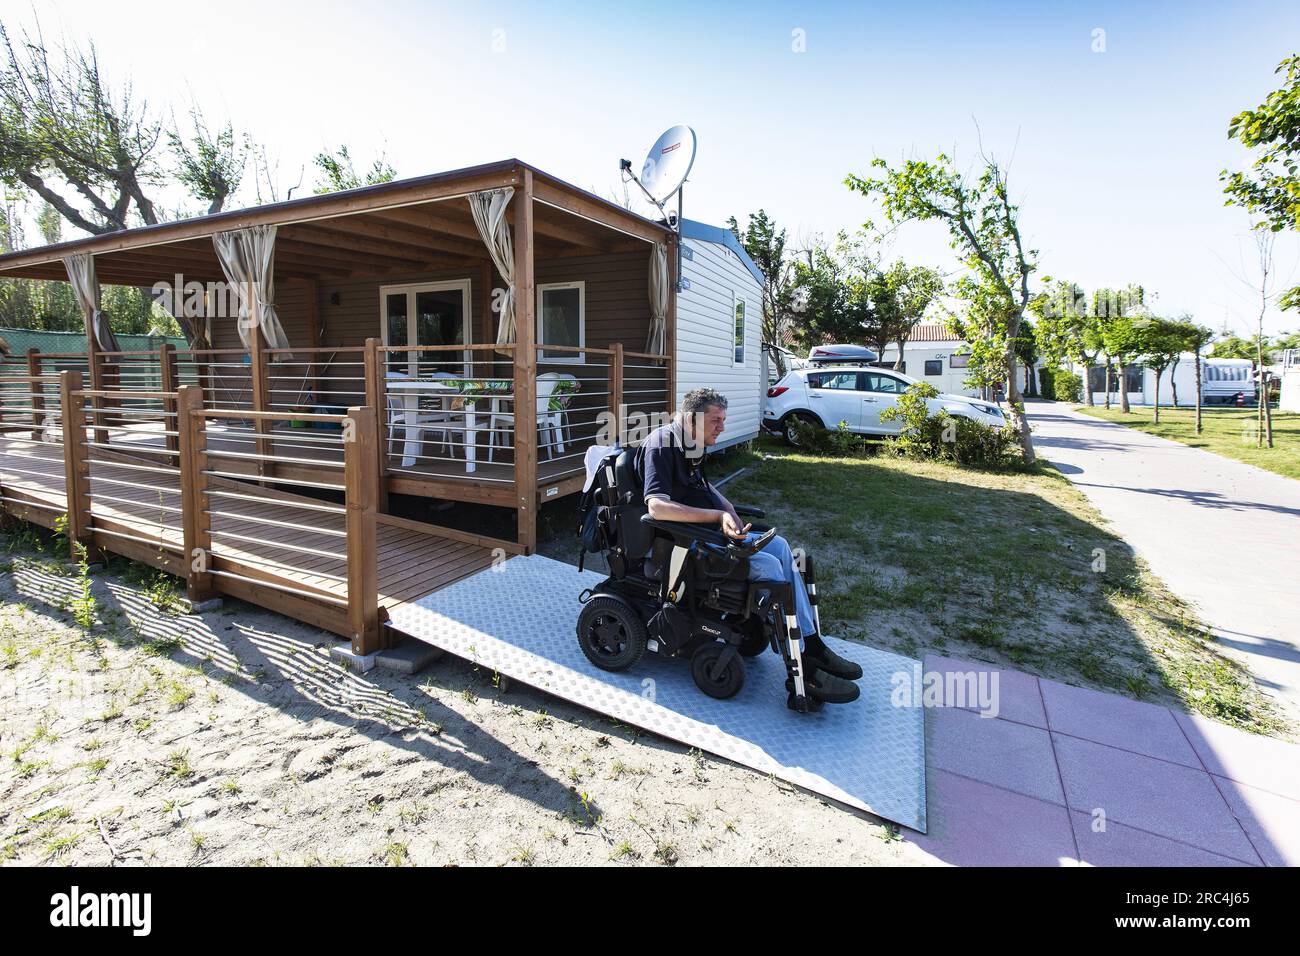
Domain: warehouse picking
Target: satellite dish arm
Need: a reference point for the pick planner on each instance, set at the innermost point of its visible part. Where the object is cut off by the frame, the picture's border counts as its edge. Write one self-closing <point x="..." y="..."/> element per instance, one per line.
<point x="625" y="166"/>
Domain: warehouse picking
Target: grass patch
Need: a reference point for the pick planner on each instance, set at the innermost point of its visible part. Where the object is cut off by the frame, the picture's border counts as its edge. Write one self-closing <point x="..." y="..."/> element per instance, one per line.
<point x="1012" y="568"/>
<point x="1230" y="432"/>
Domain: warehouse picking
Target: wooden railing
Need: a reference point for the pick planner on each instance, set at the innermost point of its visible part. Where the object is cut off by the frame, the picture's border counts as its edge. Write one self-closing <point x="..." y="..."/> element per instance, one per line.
<point x="464" y="433"/>
<point x="209" y="510"/>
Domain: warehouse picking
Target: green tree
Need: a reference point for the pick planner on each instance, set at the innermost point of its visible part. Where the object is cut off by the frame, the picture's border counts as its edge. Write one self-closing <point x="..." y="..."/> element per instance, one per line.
<point x="1271" y="187"/>
<point x="984" y="229"/>
<point x="832" y="286"/>
<point x="210" y="164"/>
<point x="1124" y="340"/>
<point x="1160" y="342"/>
<point x="86" y="146"/>
<point x="1235" y="346"/>
<point x="911" y="291"/>
<point x="1066" y="331"/>
<point x="1188" y="333"/>
<point x="1197" y="337"/>
<point x="766" y="245"/>
<point x="1026" y="346"/>
<point x="1112" y="308"/>
<point x="340" y="173"/>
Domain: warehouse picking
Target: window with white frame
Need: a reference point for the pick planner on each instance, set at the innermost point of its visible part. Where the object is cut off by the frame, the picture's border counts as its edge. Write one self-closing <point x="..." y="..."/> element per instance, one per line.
<point x="738" y="333"/>
<point x="562" y="319"/>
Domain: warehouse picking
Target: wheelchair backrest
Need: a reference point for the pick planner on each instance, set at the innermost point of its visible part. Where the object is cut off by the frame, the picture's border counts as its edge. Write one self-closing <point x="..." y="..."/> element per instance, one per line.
<point x="616" y="494"/>
<point x="634" y="538"/>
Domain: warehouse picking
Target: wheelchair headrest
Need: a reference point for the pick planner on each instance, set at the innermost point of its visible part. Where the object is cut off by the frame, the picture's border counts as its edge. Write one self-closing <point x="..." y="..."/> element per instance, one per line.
<point x="626" y="478"/>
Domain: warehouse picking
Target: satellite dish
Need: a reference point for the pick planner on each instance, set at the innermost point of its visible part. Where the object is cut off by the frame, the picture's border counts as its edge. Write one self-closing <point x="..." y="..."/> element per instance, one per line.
<point x="666" y="167"/>
<point x="668" y="163"/>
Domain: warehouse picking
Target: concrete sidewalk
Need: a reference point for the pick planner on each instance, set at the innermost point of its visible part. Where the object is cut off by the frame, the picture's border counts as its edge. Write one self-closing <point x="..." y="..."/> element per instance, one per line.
<point x="1222" y="535"/>
<point x="1064" y="776"/>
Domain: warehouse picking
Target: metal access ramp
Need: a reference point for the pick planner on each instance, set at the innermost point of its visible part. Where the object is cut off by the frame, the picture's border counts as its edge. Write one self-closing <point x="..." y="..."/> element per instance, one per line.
<point x="519" y="617"/>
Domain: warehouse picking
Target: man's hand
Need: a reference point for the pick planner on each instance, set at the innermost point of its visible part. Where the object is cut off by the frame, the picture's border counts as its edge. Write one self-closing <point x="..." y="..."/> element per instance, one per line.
<point x="731" y="525"/>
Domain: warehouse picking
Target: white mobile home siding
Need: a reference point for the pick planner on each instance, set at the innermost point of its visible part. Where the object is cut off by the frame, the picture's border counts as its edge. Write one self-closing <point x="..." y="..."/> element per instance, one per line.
<point x="705" y="338"/>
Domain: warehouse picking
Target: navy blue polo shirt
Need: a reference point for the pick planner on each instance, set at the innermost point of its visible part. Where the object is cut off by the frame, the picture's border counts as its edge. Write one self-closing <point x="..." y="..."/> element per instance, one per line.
<point x="668" y="471"/>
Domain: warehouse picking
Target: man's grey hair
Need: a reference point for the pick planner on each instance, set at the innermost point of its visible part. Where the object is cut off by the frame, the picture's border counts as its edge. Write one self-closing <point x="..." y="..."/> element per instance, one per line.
<point x="698" y="401"/>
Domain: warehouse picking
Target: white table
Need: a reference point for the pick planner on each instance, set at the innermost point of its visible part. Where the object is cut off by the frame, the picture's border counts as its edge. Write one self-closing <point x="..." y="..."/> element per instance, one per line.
<point x="410" y="390"/>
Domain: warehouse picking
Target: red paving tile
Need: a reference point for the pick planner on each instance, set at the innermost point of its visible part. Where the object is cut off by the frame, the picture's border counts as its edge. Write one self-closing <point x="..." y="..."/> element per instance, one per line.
<point x="996" y="785"/>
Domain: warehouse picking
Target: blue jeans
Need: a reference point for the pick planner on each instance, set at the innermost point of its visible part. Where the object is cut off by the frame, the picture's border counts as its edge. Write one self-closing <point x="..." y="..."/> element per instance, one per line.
<point x="776" y="563"/>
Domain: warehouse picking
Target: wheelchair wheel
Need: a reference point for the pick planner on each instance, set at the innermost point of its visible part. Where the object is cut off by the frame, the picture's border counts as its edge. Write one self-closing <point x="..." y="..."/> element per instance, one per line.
<point x="719" y="682"/>
<point x="612" y="635"/>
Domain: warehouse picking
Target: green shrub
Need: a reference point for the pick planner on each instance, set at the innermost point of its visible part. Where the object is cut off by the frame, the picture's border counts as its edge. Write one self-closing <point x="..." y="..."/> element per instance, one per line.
<point x="976" y="445"/>
<point x="922" y="433"/>
<point x="944" y="437"/>
<point x="822" y="441"/>
<point x="1060" y="385"/>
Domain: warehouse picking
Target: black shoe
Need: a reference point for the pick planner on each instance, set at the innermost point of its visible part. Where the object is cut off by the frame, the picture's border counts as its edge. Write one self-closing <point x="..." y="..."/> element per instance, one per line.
<point x="828" y="660"/>
<point x="824" y="687"/>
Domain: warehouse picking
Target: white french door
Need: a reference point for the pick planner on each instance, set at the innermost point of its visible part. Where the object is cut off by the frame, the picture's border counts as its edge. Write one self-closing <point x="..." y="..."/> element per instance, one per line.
<point x="429" y="313"/>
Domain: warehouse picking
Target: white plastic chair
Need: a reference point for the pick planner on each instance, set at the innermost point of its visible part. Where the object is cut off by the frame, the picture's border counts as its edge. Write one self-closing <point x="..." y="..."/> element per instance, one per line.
<point x="560" y="416"/>
<point x="548" y="421"/>
<point x="422" y="428"/>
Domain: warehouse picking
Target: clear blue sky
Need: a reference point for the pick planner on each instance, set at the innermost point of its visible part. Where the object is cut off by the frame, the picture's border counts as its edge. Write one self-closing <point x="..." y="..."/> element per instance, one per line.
<point x="1114" y="155"/>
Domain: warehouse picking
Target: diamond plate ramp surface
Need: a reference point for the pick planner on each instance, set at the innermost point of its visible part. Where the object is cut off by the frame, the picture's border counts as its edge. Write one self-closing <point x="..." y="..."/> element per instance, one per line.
<point x="520" y="620"/>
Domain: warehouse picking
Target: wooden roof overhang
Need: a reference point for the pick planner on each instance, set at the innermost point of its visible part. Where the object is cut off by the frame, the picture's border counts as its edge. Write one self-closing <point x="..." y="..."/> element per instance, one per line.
<point x="403" y="227"/>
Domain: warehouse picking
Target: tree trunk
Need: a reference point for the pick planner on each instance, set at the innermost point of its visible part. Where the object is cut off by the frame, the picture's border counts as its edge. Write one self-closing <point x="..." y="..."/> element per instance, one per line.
<point x="1259" y="388"/>
<point x="1108" y="383"/>
<point x="1173" y="381"/>
<point x="1157" y="420"/>
<point x="1123" y="388"/>
<point x="1198" y="391"/>
<point x="1268" y="410"/>
<point x="1018" y="417"/>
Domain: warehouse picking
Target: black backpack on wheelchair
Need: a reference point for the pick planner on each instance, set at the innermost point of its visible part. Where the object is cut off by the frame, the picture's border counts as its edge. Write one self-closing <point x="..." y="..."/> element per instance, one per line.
<point x="679" y="590"/>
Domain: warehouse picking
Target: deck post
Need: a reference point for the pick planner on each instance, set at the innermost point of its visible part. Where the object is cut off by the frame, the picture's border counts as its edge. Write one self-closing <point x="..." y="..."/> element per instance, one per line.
<point x="377" y="398"/>
<point x="37" y="389"/>
<point x="361" y="495"/>
<point x="167" y="383"/>
<point x="525" y="384"/>
<point x="196" y="523"/>
<point x="260" y="382"/>
<point x="616" y="393"/>
<point x="76" y="467"/>
<point x="95" y="369"/>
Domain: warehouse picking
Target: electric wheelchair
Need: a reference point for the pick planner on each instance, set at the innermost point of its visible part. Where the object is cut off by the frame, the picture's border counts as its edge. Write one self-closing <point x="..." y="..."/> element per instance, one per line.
<point x="682" y="590"/>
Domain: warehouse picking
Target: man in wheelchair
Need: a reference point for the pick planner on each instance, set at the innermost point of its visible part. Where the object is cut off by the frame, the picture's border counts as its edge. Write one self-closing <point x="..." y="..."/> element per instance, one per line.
<point x="688" y="578"/>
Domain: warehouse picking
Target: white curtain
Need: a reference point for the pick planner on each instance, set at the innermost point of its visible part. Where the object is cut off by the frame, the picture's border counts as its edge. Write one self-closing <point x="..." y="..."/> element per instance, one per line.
<point x="81" y="273"/>
<point x="248" y="256"/>
<point x="489" y="211"/>
<point x="655" y="341"/>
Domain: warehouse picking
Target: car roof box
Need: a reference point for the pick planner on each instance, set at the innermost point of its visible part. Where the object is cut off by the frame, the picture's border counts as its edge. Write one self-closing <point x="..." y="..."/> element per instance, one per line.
<point x="842" y="355"/>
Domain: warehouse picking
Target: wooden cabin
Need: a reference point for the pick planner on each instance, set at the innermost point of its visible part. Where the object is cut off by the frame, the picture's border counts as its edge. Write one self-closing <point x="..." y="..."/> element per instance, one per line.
<point x="356" y="354"/>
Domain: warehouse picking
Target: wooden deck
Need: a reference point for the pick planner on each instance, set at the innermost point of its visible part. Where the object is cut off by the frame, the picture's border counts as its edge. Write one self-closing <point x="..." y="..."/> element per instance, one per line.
<point x="287" y="554"/>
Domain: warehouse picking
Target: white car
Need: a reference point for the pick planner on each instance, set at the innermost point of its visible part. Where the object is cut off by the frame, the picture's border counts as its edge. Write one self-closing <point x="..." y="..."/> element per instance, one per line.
<point x="826" y="396"/>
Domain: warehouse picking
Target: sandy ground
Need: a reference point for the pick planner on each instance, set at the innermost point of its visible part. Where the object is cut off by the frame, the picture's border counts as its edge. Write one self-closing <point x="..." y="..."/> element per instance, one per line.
<point x="232" y="738"/>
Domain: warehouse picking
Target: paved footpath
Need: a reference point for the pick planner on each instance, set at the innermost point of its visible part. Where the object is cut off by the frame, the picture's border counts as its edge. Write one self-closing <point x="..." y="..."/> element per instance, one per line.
<point x="1064" y="776"/>
<point x="1223" y="535"/>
